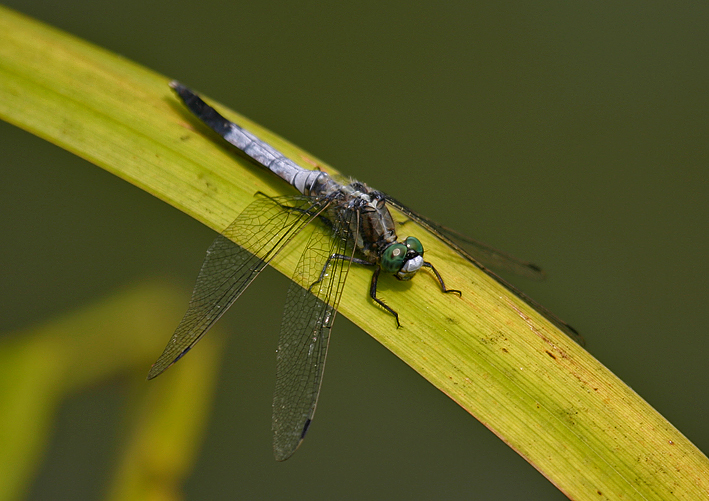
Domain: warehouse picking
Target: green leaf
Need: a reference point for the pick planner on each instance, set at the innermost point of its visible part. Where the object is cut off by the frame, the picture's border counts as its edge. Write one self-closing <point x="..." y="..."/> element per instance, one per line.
<point x="546" y="397"/>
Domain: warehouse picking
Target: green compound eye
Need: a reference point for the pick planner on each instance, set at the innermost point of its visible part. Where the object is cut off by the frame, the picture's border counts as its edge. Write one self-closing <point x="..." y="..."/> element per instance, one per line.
<point x="393" y="257"/>
<point x="414" y="244"/>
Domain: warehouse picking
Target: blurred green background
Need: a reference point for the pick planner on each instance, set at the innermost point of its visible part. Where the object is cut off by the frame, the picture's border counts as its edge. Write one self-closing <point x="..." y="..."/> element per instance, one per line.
<point x="573" y="134"/>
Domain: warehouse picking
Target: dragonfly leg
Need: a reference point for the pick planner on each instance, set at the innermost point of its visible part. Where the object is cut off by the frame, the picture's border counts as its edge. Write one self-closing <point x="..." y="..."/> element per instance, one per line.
<point x="351" y="259"/>
<point x="426" y="264"/>
<point x="286" y="207"/>
<point x="315" y="210"/>
<point x="373" y="295"/>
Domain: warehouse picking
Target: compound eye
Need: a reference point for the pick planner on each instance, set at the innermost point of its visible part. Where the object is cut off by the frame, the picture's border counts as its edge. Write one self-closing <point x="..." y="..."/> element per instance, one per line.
<point x="393" y="258"/>
<point x="414" y="244"/>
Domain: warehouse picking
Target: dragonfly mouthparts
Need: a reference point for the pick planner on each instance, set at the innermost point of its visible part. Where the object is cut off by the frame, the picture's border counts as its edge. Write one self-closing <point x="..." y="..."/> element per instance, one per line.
<point x="410" y="267"/>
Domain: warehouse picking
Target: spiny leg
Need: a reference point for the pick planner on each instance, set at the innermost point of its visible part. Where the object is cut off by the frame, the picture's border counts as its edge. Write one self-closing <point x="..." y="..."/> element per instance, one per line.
<point x="426" y="264"/>
<point x="373" y="295"/>
<point x="316" y="209"/>
<point x="287" y="207"/>
<point x="351" y="259"/>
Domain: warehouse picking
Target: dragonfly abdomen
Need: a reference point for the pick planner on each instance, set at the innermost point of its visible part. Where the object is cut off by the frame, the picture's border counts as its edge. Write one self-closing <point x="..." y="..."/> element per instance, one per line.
<point x="304" y="180"/>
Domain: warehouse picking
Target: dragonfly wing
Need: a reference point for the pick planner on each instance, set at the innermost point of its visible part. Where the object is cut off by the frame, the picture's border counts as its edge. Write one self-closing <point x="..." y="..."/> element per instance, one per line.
<point x="494" y="258"/>
<point x="481" y="255"/>
<point x="310" y="310"/>
<point x="472" y="249"/>
<point x="266" y="225"/>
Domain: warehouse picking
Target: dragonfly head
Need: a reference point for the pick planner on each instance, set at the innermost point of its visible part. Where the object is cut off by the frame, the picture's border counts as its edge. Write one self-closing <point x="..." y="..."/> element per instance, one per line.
<point x="403" y="259"/>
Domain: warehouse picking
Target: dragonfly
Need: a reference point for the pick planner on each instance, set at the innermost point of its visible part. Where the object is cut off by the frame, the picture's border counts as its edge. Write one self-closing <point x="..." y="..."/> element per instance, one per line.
<point x="351" y="224"/>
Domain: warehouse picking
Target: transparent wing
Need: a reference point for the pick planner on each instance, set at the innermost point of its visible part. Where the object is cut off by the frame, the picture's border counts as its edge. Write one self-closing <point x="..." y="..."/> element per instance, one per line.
<point x="311" y="306"/>
<point x="494" y="258"/>
<point x="480" y="255"/>
<point x="266" y="225"/>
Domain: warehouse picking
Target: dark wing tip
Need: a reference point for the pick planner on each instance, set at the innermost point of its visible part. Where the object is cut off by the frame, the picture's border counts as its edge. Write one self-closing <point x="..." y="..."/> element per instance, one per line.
<point x="160" y="366"/>
<point x="305" y="428"/>
<point x="283" y="451"/>
<point x="537" y="269"/>
<point x="156" y="369"/>
<point x="574" y="334"/>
